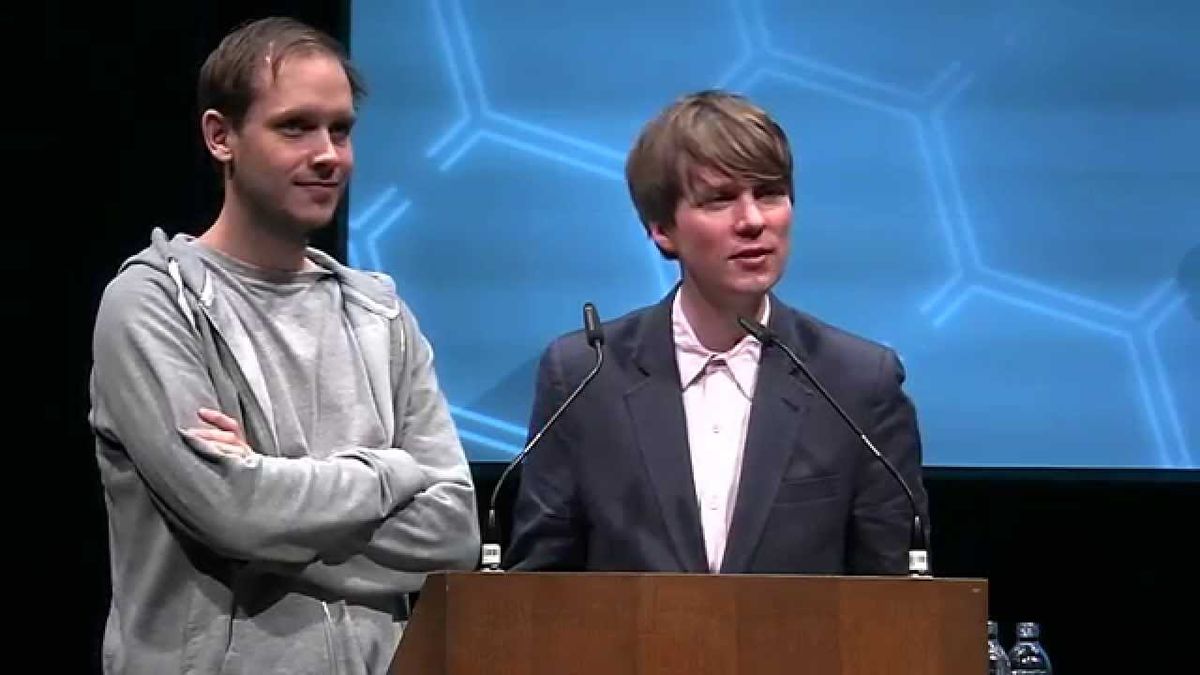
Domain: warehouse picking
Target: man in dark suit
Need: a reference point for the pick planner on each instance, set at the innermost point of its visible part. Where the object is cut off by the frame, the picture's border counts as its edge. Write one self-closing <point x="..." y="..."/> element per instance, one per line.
<point x="696" y="448"/>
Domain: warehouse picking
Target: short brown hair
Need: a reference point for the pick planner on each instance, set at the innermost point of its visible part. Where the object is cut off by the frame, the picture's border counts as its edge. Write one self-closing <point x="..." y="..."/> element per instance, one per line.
<point x="706" y="130"/>
<point x="227" y="78"/>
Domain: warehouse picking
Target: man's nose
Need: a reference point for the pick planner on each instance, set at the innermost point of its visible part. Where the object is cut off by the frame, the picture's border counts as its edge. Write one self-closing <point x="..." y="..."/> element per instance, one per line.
<point x="750" y="218"/>
<point x="325" y="152"/>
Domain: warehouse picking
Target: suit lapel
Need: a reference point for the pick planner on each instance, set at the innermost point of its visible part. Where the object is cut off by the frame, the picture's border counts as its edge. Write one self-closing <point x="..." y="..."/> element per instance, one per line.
<point x="777" y="412"/>
<point x="655" y="407"/>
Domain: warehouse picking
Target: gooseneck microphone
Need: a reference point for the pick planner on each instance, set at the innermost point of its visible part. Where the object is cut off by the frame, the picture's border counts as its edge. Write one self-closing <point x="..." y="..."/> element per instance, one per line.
<point x="918" y="548"/>
<point x="490" y="559"/>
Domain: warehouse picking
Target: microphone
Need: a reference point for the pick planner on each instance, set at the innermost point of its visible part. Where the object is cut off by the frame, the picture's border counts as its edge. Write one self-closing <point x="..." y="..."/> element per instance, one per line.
<point x="918" y="548"/>
<point x="595" y="338"/>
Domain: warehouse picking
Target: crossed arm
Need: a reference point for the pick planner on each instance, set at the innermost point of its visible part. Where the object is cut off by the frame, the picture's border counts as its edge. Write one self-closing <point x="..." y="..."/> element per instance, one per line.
<point x="397" y="510"/>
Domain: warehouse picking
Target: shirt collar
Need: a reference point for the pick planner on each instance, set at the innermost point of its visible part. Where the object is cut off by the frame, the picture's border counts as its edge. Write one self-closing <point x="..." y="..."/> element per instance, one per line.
<point x="693" y="357"/>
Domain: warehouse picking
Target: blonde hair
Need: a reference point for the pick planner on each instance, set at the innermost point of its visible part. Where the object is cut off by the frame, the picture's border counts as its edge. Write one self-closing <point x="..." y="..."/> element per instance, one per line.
<point x="228" y="77"/>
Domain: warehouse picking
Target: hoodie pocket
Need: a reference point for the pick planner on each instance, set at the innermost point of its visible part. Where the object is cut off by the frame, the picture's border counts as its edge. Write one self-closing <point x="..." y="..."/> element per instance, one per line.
<point x="208" y="628"/>
<point x="280" y="631"/>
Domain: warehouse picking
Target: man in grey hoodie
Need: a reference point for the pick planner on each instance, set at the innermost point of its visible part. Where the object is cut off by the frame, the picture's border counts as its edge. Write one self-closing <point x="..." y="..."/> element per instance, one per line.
<point x="279" y="464"/>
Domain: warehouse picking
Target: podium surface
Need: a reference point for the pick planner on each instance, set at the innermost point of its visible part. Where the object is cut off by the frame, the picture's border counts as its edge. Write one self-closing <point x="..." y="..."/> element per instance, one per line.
<point x="548" y="623"/>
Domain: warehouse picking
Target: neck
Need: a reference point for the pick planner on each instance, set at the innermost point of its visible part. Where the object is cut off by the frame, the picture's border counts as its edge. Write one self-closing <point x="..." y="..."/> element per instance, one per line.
<point x="714" y="320"/>
<point x="256" y="240"/>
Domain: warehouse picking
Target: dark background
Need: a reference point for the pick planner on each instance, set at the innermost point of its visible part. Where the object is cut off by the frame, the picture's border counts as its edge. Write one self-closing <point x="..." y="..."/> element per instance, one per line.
<point x="1098" y="557"/>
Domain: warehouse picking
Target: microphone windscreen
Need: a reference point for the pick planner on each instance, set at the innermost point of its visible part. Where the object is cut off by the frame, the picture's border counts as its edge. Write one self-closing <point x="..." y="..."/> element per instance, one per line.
<point x="759" y="331"/>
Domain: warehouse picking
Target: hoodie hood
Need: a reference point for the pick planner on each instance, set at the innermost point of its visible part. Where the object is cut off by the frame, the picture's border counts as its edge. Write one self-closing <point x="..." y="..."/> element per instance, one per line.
<point x="176" y="258"/>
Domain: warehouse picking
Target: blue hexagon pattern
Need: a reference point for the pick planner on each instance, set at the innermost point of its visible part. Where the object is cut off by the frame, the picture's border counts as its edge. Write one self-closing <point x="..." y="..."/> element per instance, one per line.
<point x="1005" y="194"/>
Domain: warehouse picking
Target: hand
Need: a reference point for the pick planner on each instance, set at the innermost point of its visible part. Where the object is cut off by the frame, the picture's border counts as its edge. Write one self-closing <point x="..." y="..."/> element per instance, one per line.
<point x="226" y="436"/>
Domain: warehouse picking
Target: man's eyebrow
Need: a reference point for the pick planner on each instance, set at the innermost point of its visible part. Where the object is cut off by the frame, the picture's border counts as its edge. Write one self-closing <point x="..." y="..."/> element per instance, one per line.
<point x="697" y="184"/>
<point x="312" y="112"/>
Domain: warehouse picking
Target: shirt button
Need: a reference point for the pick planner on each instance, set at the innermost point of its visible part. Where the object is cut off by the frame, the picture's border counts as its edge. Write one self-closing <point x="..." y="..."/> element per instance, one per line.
<point x="716" y="428"/>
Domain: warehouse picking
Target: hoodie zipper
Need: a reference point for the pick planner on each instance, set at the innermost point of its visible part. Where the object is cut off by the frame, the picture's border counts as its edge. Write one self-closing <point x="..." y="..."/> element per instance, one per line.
<point x="245" y="391"/>
<point x="329" y="641"/>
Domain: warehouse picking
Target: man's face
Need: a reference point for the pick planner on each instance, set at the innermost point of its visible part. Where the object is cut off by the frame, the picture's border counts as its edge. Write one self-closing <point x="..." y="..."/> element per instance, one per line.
<point x="731" y="239"/>
<point x="291" y="158"/>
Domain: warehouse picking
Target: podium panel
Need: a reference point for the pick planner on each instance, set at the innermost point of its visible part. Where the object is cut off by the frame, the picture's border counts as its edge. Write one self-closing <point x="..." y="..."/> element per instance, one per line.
<point x="675" y="624"/>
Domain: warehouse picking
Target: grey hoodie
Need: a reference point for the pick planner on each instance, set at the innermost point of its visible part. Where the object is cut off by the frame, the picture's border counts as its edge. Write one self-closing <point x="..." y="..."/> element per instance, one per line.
<point x="267" y="564"/>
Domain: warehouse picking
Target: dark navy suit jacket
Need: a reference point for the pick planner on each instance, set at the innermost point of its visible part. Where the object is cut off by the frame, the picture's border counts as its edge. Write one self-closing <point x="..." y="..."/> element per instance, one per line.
<point x="610" y="487"/>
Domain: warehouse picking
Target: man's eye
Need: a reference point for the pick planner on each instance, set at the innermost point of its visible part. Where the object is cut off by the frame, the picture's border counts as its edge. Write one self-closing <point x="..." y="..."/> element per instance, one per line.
<point x="292" y="128"/>
<point x="714" y="203"/>
<point x="718" y="198"/>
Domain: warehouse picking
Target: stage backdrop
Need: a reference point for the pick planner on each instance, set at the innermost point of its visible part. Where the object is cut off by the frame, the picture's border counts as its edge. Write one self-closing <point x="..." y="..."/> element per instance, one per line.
<point x="1006" y="193"/>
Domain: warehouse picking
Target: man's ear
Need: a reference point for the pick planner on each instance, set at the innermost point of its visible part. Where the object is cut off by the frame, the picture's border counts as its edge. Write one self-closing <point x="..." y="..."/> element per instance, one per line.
<point x="662" y="237"/>
<point x="218" y="135"/>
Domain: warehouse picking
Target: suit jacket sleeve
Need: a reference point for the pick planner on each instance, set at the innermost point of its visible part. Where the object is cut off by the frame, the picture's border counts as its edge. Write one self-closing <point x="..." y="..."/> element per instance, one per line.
<point x="881" y="520"/>
<point x="548" y="530"/>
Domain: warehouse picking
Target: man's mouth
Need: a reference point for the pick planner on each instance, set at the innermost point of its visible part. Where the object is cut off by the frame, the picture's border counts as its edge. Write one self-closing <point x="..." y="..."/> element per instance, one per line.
<point x="757" y="253"/>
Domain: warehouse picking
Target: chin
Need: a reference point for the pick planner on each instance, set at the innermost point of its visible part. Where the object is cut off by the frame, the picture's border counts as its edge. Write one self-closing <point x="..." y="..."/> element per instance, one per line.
<point x="757" y="286"/>
<point x="311" y="222"/>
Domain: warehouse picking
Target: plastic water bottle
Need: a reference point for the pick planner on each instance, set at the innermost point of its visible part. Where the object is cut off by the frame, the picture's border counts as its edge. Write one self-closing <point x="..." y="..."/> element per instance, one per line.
<point x="997" y="659"/>
<point x="1027" y="656"/>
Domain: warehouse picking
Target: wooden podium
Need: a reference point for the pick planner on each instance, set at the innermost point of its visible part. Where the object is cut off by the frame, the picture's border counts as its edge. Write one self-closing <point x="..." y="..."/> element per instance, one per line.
<point x="666" y="624"/>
